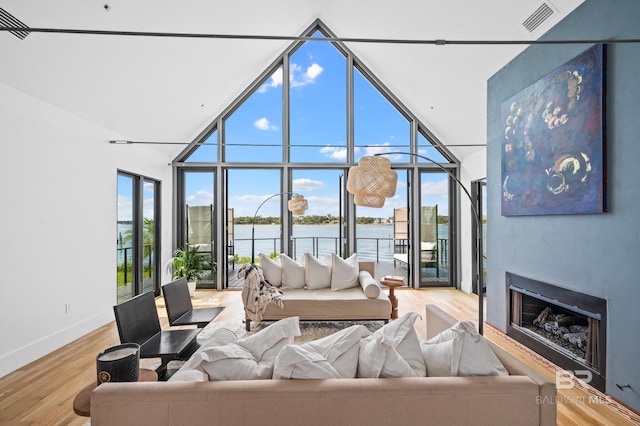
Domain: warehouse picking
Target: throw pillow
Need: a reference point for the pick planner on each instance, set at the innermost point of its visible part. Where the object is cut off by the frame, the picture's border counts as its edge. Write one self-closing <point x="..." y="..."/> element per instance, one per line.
<point x="442" y="358"/>
<point x="191" y="370"/>
<point x="298" y="362"/>
<point x="271" y="269"/>
<point x="317" y="272"/>
<point x="475" y="357"/>
<point x="249" y="358"/>
<point x="344" y="272"/>
<point x="292" y="272"/>
<point x="369" y="285"/>
<point x="378" y="358"/>
<point x="399" y="336"/>
<point x="333" y="356"/>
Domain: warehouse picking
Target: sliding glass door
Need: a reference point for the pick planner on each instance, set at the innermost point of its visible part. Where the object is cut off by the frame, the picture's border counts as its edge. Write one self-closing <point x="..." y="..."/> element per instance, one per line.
<point x="125" y="273"/>
<point x="435" y="242"/>
<point x="137" y="245"/>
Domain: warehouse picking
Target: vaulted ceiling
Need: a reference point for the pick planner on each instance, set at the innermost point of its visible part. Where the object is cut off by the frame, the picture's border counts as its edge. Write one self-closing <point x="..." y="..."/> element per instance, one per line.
<point x="145" y="88"/>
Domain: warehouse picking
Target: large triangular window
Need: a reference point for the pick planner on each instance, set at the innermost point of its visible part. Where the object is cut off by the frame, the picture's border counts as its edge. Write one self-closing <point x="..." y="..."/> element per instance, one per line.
<point x="318" y="102"/>
<point x="330" y="109"/>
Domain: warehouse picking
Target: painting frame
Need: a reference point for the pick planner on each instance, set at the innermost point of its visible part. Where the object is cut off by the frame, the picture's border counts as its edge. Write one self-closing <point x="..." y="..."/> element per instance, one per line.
<point x="553" y="145"/>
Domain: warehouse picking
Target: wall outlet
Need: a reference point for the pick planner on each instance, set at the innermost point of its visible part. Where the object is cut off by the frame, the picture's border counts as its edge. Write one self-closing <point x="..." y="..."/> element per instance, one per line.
<point x="67" y="308"/>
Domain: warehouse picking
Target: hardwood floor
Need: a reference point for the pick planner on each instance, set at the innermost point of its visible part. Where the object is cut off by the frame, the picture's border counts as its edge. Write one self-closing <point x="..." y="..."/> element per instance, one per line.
<point x="42" y="392"/>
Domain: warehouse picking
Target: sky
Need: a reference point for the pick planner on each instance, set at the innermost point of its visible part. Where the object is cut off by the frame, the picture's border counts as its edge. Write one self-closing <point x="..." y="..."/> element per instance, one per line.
<point x="318" y="134"/>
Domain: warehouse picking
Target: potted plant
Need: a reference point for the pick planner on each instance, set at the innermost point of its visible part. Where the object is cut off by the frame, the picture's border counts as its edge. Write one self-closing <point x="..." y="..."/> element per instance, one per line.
<point x="191" y="264"/>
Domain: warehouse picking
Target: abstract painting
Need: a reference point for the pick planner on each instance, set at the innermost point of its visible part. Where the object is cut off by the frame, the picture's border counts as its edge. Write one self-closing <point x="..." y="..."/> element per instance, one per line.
<point x="553" y="147"/>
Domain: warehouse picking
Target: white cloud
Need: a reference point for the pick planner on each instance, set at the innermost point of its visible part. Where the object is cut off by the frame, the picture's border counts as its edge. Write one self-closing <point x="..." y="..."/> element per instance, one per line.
<point x="274" y="81"/>
<point x="323" y="205"/>
<point x="125" y="207"/>
<point x="264" y="124"/>
<point x="299" y="77"/>
<point x="334" y="152"/>
<point x="313" y="71"/>
<point x="435" y="189"/>
<point x="305" y="184"/>
<point x="251" y="198"/>
<point x="200" y="198"/>
<point x="377" y="149"/>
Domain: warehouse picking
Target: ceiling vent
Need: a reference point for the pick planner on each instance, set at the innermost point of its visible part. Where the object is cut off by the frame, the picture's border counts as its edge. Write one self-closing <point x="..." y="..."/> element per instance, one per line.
<point x="537" y="18"/>
<point x="8" y="20"/>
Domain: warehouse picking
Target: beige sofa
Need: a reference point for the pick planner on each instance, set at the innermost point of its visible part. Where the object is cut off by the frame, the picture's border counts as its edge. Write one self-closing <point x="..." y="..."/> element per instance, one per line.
<point x="327" y="305"/>
<point x="524" y="398"/>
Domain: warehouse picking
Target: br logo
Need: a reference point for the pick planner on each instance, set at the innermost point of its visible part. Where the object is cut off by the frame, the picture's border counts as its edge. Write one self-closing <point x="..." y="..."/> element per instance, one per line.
<point x="565" y="378"/>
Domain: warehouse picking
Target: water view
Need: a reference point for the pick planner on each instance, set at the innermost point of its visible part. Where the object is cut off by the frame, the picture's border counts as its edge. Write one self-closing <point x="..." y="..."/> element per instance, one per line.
<point x="375" y="242"/>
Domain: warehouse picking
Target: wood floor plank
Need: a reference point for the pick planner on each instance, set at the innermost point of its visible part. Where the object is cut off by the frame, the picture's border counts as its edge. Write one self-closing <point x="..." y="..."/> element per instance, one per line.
<point x="42" y="392"/>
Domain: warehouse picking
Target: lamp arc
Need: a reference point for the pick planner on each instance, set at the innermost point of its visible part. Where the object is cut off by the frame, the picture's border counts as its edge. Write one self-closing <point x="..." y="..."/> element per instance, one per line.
<point x="477" y="221"/>
<point x="302" y="208"/>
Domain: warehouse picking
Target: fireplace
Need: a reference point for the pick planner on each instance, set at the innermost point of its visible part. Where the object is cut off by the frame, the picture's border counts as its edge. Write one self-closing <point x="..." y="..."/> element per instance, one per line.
<point x="566" y="327"/>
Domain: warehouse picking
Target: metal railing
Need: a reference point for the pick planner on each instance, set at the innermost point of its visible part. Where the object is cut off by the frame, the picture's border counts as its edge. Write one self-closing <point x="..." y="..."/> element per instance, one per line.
<point x="382" y="247"/>
<point x="127" y="264"/>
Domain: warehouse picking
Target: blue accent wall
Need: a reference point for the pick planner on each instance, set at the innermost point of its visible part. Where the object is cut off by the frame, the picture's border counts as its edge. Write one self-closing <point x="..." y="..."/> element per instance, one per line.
<point x="597" y="254"/>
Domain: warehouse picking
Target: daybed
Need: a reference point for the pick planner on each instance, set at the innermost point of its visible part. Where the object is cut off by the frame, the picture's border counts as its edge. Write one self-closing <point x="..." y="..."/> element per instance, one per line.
<point x="525" y="397"/>
<point x="364" y="301"/>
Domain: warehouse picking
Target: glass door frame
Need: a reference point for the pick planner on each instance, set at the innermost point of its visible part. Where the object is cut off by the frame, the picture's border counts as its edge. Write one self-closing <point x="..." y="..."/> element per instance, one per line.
<point x="137" y="199"/>
<point x="180" y="217"/>
<point x="452" y="254"/>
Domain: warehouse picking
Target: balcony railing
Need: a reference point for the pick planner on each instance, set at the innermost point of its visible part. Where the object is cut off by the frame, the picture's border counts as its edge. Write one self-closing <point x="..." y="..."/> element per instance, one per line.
<point x="125" y="263"/>
<point x="380" y="248"/>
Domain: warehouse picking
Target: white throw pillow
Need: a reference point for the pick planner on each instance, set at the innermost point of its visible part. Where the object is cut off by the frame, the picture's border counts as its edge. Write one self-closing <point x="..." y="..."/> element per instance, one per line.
<point x="317" y="272"/>
<point x="271" y="269"/>
<point x="292" y="272"/>
<point x="401" y="336"/>
<point x="369" y="285"/>
<point x="298" y="362"/>
<point x="344" y="272"/>
<point x="378" y="358"/>
<point x="333" y="356"/>
<point x="191" y="371"/>
<point x="249" y="358"/>
<point x="475" y="355"/>
<point x="442" y="358"/>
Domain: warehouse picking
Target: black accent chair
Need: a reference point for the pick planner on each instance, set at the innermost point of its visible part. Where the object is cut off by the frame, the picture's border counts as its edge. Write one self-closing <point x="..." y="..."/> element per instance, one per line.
<point x="138" y="322"/>
<point x="179" y="308"/>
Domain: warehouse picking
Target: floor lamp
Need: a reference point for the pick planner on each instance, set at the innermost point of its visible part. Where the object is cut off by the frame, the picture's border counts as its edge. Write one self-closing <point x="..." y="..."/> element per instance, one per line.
<point x="373" y="180"/>
<point x="296" y="205"/>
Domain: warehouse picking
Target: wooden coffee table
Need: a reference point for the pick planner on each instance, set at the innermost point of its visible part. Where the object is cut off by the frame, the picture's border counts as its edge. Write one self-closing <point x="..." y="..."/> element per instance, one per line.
<point x="82" y="401"/>
<point x="392" y="284"/>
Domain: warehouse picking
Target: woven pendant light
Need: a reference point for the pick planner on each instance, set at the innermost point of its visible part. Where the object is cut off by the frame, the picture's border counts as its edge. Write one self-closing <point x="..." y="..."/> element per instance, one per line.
<point x="298" y="205"/>
<point x="371" y="181"/>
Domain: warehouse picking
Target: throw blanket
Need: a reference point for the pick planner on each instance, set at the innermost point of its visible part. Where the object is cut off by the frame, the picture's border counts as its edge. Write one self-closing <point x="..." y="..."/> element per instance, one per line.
<point x="257" y="293"/>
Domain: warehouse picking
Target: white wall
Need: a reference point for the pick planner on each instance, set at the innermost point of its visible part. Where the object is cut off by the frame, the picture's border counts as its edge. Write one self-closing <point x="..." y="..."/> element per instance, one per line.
<point x="58" y="224"/>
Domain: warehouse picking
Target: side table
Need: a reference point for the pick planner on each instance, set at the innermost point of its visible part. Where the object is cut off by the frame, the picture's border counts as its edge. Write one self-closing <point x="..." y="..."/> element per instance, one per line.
<point x="392" y="284"/>
<point x="82" y="401"/>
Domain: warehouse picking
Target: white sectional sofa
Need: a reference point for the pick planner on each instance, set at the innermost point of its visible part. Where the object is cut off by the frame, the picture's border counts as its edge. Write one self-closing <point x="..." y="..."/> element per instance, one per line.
<point x="309" y="299"/>
<point x="523" y="397"/>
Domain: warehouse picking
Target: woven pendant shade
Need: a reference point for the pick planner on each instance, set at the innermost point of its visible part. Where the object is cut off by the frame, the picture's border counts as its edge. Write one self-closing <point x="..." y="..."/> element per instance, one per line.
<point x="371" y="181"/>
<point x="298" y="205"/>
